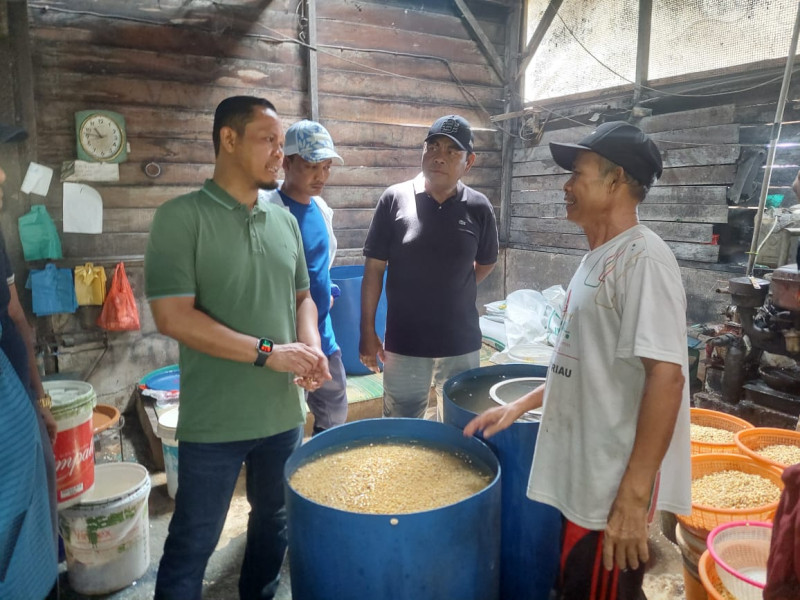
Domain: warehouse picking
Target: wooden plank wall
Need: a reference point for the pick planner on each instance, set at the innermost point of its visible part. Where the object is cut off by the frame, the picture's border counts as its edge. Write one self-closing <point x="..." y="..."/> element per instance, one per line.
<point x="165" y="66"/>
<point x="699" y="148"/>
<point x="702" y="147"/>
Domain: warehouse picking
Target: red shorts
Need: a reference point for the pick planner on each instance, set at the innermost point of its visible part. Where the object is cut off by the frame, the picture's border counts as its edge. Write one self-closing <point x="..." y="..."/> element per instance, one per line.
<point x="582" y="575"/>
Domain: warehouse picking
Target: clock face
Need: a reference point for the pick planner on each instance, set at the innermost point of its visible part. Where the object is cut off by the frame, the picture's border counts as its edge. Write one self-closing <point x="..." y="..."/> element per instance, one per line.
<point x="101" y="137"/>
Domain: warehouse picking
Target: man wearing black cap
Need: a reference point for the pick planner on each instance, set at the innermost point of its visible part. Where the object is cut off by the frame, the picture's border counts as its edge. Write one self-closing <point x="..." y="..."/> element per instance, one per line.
<point x="616" y="399"/>
<point x="439" y="238"/>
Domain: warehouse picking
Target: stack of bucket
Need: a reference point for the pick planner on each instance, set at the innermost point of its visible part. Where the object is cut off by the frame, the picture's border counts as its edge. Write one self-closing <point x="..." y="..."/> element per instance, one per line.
<point x="164" y="385"/>
<point x="707" y="458"/>
<point x="102" y="509"/>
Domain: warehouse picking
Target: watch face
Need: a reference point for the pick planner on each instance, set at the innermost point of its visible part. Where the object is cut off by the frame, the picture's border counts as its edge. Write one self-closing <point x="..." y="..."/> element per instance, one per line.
<point x="100" y="137"/>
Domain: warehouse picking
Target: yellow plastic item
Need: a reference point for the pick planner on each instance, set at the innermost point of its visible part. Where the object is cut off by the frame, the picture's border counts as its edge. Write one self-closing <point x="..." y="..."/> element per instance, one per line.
<point x="90" y="285"/>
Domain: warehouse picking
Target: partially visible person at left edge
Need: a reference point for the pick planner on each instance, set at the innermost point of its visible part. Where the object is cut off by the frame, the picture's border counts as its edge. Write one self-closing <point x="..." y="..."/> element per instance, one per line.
<point x="28" y="539"/>
<point x="308" y="159"/>
<point x="226" y="277"/>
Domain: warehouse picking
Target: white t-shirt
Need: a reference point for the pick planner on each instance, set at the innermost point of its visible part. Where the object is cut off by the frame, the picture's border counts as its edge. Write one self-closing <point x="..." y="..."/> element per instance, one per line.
<point x="625" y="302"/>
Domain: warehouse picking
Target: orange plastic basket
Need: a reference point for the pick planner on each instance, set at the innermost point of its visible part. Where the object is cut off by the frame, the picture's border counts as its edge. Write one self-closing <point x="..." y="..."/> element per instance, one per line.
<point x="705" y="518"/>
<point x="709" y="578"/>
<point x="750" y="441"/>
<point x="718" y="420"/>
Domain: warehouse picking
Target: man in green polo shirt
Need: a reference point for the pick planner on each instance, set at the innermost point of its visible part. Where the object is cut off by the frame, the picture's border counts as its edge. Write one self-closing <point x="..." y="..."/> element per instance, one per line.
<point x="226" y="276"/>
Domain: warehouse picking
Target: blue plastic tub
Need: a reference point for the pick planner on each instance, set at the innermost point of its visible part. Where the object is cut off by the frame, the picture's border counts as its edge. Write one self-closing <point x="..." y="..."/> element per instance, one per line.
<point x="449" y="552"/>
<point x="346" y="315"/>
<point x="530" y="541"/>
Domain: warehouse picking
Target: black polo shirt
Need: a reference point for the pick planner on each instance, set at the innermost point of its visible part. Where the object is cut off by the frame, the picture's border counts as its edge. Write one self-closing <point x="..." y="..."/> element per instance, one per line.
<point x="430" y="282"/>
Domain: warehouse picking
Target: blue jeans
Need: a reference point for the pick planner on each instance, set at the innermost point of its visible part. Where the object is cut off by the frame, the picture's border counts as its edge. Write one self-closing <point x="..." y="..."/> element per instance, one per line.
<point x="207" y="476"/>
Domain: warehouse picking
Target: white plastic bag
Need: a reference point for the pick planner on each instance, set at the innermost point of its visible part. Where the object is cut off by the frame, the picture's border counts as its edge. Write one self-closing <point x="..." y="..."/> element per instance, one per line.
<point x="525" y="312"/>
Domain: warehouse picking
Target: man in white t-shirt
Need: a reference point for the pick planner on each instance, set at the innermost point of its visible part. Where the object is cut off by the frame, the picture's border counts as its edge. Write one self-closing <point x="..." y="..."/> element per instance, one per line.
<point x="614" y="437"/>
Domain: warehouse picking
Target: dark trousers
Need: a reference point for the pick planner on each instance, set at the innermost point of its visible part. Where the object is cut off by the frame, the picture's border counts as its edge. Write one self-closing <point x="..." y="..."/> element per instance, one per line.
<point x="207" y="476"/>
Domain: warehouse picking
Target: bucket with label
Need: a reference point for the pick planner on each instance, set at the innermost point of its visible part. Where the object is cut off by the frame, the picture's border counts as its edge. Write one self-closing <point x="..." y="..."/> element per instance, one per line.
<point x="106" y="535"/>
<point x="73" y="402"/>
<point x="167" y="426"/>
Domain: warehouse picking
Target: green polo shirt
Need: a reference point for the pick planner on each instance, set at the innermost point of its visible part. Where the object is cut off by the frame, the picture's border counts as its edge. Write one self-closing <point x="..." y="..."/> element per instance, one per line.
<point x="244" y="269"/>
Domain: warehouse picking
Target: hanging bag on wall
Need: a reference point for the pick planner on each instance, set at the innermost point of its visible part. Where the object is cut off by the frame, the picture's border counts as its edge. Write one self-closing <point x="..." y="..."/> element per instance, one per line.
<point x="90" y="285"/>
<point x="52" y="290"/>
<point x="119" y="310"/>
<point x="39" y="235"/>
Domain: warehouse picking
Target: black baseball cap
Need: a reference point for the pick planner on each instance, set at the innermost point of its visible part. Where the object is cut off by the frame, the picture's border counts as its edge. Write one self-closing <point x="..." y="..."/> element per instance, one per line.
<point x="623" y="144"/>
<point x="456" y="128"/>
<point x="12" y="133"/>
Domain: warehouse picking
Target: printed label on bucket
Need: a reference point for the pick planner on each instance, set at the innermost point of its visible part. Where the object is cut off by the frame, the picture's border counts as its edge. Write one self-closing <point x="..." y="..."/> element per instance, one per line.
<point x="74" y="454"/>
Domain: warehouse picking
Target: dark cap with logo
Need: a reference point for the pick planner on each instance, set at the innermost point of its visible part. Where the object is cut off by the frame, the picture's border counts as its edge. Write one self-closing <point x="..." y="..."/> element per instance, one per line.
<point x="623" y="144"/>
<point x="456" y="128"/>
<point x="11" y="133"/>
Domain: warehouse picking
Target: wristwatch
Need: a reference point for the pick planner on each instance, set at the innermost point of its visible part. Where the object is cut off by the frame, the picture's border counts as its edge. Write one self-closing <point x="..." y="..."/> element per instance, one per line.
<point x="264" y="349"/>
<point x="45" y="401"/>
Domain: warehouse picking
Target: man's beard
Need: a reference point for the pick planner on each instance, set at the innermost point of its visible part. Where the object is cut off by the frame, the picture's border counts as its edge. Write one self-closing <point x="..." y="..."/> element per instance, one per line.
<point x="268" y="185"/>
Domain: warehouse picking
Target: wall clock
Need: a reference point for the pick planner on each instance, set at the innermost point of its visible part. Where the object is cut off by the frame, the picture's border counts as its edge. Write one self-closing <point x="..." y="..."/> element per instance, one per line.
<point x="101" y="136"/>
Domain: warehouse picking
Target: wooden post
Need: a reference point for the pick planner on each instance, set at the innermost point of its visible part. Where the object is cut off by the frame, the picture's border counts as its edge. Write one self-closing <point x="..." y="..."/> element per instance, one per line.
<point x="313" y="83"/>
<point x="643" y="47"/>
<point x="513" y="89"/>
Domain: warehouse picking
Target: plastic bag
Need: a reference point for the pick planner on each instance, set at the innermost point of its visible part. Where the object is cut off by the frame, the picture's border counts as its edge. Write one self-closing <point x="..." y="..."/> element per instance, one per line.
<point x="52" y="290"/>
<point x="39" y="235"/>
<point x="90" y="285"/>
<point x="119" y="310"/>
<point x="533" y="317"/>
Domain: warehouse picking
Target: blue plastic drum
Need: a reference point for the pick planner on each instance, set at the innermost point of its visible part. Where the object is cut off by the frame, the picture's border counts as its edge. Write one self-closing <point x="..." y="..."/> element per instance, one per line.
<point x="448" y="552"/>
<point x="346" y="316"/>
<point x="530" y="541"/>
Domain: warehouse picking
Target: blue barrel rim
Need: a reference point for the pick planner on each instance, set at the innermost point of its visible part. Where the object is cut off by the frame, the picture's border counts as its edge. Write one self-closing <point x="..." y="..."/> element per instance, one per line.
<point x="493" y="464"/>
<point x="510" y="370"/>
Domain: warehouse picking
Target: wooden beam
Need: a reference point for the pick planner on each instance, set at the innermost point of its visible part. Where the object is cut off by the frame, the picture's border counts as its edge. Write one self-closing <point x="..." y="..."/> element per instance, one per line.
<point x="313" y="83"/>
<point x="643" y="46"/>
<point x="484" y="42"/>
<point x="538" y="36"/>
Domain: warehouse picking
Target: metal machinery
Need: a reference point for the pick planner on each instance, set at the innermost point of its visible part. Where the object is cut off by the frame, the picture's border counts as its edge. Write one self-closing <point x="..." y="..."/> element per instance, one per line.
<point x="768" y="315"/>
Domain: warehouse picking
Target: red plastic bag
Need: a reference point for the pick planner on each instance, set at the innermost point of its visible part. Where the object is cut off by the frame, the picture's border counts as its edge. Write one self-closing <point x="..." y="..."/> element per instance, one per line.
<point x="119" y="309"/>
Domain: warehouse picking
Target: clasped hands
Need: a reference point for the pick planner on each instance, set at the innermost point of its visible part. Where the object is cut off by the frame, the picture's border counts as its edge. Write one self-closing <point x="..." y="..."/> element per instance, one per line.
<point x="308" y="364"/>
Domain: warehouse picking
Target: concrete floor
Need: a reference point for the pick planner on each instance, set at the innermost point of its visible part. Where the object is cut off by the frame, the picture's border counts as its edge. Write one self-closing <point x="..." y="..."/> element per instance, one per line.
<point x="664" y="580"/>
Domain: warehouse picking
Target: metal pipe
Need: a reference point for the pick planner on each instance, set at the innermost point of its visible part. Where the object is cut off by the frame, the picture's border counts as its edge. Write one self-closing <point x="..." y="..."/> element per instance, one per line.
<point x="773" y="142"/>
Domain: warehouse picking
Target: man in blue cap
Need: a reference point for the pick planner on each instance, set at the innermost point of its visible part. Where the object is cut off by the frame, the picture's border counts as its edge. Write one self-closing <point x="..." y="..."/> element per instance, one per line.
<point x="616" y="399"/>
<point x="308" y="159"/>
<point x="439" y="240"/>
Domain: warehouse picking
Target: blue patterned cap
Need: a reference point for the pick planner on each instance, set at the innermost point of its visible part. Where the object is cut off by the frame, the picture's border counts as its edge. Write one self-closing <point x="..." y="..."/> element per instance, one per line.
<point x="311" y="141"/>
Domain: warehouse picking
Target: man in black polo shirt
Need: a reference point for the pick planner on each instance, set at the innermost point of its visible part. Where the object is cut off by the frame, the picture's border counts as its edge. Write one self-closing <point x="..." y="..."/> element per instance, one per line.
<point x="439" y="238"/>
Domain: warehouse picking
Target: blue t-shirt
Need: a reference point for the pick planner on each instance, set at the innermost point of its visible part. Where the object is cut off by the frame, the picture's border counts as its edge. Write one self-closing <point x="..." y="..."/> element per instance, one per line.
<point x="316" y="246"/>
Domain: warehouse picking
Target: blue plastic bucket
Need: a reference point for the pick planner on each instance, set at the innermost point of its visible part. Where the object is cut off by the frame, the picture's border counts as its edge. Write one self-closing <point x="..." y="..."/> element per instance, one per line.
<point x="346" y="315"/>
<point x="448" y="552"/>
<point x="530" y="540"/>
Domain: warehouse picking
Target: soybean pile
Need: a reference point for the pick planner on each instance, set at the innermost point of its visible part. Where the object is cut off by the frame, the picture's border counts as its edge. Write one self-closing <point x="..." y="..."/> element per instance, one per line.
<point x="389" y="478"/>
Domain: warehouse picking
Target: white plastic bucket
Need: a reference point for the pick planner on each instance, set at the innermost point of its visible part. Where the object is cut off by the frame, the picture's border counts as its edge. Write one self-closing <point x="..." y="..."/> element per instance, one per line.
<point x="106" y="536"/>
<point x="73" y="402"/>
<point x="167" y="426"/>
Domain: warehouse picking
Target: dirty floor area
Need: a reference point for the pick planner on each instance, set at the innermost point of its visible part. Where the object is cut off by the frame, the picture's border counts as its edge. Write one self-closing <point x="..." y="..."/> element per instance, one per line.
<point x="664" y="581"/>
